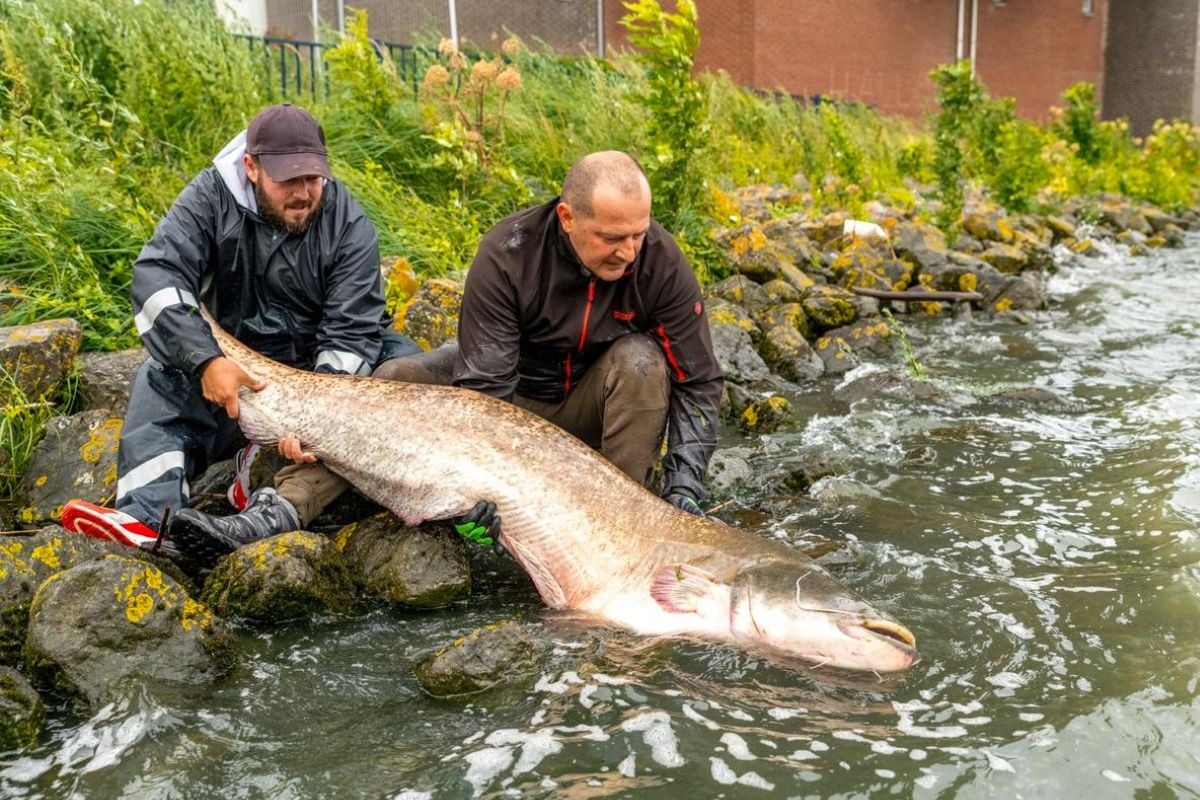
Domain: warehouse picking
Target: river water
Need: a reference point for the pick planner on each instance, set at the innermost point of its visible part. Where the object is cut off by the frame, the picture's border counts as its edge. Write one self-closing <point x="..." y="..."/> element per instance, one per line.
<point x="1043" y="550"/>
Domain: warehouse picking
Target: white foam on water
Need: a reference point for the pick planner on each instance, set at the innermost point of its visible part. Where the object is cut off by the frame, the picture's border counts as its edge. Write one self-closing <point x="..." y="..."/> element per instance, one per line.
<point x="997" y="763"/>
<point x="658" y="735"/>
<point x="1115" y="777"/>
<point x="721" y="773"/>
<point x="737" y="747"/>
<point x="696" y="716"/>
<point x="628" y="765"/>
<point x="803" y="755"/>
<point x="412" y="794"/>
<point x="484" y="766"/>
<point x="547" y="684"/>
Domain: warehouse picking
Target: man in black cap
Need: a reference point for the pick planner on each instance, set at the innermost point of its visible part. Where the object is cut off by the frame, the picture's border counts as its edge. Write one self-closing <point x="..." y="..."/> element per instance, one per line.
<point x="286" y="261"/>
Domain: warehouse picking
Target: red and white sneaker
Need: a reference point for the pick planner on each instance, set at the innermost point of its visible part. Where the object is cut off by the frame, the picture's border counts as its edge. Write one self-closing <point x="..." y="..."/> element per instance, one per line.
<point x="238" y="493"/>
<point x="80" y="516"/>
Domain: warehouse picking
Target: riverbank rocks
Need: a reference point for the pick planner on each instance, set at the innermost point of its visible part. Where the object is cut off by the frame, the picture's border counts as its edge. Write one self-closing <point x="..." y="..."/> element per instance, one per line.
<point x="25" y="563"/>
<point x="420" y="567"/>
<point x="35" y="358"/>
<point x="430" y="316"/>
<point x="281" y="578"/>
<point x="76" y="458"/>
<point x="829" y="307"/>
<point x="496" y="655"/>
<point x="103" y="624"/>
<point x="106" y="378"/>
<point x="21" y="711"/>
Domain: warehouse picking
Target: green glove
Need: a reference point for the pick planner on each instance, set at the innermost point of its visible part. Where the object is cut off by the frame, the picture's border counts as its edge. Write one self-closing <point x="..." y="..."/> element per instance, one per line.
<point x="481" y="524"/>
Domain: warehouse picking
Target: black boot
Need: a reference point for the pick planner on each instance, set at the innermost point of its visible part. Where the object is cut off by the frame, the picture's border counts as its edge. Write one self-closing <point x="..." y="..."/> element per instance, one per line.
<point x="205" y="538"/>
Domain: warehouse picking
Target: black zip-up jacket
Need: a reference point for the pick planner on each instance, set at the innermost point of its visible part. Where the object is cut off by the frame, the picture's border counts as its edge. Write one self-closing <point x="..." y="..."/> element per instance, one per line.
<point x="313" y="301"/>
<point x="534" y="320"/>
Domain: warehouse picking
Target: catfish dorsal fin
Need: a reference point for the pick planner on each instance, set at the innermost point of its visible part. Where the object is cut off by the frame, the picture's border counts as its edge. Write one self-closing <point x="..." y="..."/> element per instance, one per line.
<point x="684" y="589"/>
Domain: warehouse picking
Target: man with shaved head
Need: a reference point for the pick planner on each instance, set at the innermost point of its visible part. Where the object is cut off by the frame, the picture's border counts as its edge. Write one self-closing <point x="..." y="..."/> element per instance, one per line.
<point x="585" y="311"/>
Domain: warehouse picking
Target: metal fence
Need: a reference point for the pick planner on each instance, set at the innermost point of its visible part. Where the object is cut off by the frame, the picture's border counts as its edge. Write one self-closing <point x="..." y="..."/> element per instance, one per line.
<point x="294" y="68"/>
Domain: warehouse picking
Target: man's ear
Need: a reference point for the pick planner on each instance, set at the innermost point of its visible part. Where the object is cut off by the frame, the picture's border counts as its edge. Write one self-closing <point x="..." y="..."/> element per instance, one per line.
<point x="566" y="217"/>
<point x="251" y="168"/>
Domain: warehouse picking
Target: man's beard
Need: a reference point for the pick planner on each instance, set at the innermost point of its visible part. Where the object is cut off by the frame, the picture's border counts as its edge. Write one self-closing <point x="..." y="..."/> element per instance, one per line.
<point x="272" y="214"/>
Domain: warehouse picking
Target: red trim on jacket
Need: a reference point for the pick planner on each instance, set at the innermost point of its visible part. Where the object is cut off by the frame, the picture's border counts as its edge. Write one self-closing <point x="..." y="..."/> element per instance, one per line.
<point x="666" y="346"/>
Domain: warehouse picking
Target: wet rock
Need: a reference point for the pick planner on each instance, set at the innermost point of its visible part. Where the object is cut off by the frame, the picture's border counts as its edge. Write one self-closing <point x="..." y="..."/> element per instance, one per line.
<point x="27" y="561"/>
<point x="1087" y="247"/>
<point x="280" y="578"/>
<point x="105" y="379"/>
<point x="789" y="354"/>
<point x="789" y="235"/>
<point x="37" y="357"/>
<point x="734" y="350"/>
<point x="102" y="624"/>
<point x="1061" y="227"/>
<point x="885" y="383"/>
<point x="1024" y="292"/>
<point x="837" y="354"/>
<point x="867" y="337"/>
<point x="1160" y="220"/>
<point x="766" y="414"/>
<point x="829" y="307"/>
<point x="21" y="711"/>
<point x="1120" y="213"/>
<point x="730" y="471"/>
<point x="430" y="316"/>
<point x="788" y="315"/>
<point x="1029" y="396"/>
<point x="740" y="291"/>
<point x="421" y="567"/>
<point x="76" y="458"/>
<point x="491" y="656"/>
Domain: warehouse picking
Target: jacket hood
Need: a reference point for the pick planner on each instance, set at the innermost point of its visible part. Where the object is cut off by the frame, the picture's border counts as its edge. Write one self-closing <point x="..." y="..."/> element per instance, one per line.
<point x="232" y="170"/>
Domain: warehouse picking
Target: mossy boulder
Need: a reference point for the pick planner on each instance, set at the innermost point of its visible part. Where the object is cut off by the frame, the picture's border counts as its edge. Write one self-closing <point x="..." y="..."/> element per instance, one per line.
<point x="21" y="711"/>
<point x="734" y="349"/>
<point x="35" y="358"/>
<point x="988" y="224"/>
<point x="283" y="577"/>
<point x="767" y="414"/>
<point x="753" y="254"/>
<point x="100" y="625"/>
<point x="867" y="263"/>
<point x="106" y="378"/>
<point x="1008" y="258"/>
<point x="789" y="354"/>
<point x="430" y="316"/>
<point x="27" y="561"/>
<point x="920" y="244"/>
<point x="495" y="655"/>
<point x="421" y="567"/>
<point x="76" y="458"/>
<point x="870" y="336"/>
<point x="1024" y="292"/>
<point x="836" y="353"/>
<point x="740" y="291"/>
<point x="829" y="307"/>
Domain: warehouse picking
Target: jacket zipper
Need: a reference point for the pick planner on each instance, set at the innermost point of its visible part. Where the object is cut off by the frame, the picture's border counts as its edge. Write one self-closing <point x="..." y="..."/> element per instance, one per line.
<point x="587" y="313"/>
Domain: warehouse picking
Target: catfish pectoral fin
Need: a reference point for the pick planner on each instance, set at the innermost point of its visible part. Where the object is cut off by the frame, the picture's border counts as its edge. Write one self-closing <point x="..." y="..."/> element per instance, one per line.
<point x="683" y="589"/>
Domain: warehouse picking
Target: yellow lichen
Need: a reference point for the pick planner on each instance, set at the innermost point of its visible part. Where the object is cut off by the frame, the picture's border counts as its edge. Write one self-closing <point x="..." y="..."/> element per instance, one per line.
<point x="1004" y="304"/>
<point x="750" y="417"/>
<point x="48" y="553"/>
<point x="138" y="607"/>
<point x="195" y="615"/>
<point x="41" y="481"/>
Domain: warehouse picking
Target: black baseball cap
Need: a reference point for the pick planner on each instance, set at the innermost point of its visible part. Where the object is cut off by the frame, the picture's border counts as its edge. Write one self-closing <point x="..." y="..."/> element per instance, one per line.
<point x="288" y="142"/>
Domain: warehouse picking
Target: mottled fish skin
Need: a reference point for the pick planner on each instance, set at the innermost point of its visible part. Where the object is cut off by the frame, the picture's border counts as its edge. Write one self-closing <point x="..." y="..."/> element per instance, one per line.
<point x="589" y="537"/>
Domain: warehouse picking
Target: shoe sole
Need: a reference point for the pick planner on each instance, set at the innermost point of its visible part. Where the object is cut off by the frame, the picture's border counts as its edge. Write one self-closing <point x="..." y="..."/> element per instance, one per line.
<point x="196" y="544"/>
<point x="92" y="520"/>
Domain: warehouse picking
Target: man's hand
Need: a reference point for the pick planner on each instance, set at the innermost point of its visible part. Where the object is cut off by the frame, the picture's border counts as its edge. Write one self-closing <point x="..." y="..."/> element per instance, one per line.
<point x="220" y="380"/>
<point x="481" y="524"/>
<point x="289" y="448"/>
<point x="682" y="499"/>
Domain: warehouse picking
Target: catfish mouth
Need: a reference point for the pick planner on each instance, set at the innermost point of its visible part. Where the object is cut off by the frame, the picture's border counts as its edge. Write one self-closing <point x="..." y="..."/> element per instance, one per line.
<point x="891" y="630"/>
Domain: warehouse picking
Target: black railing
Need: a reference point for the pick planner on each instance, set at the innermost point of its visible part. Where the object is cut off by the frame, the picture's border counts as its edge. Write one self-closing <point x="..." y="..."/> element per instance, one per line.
<point x="295" y="67"/>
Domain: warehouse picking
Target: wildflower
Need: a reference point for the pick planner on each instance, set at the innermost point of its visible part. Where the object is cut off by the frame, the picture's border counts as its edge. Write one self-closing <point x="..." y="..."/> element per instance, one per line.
<point x="484" y="71"/>
<point x="458" y="61"/>
<point x="446" y="47"/>
<point x="436" y="76"/>
<point x="510" y="46"/>
<point x="509" y="80"/>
